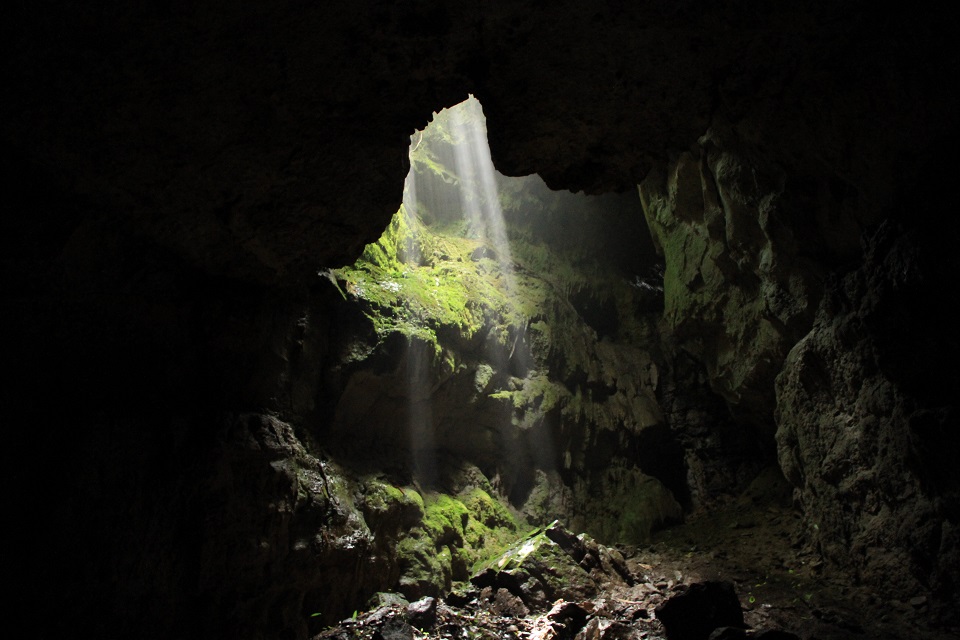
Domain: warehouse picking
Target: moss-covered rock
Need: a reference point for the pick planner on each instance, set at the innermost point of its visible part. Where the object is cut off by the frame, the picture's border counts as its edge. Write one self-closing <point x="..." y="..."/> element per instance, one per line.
<point x="422" y="566"/>
<point x="739" y="287"/>
<point x="444" y="520"/>
<point x="390" y="508"/>
<point x="551" y="563"/>
<point x="453" y="536"/>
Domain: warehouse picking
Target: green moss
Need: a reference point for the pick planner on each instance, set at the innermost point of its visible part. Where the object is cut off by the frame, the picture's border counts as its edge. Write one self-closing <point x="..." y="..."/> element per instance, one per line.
<point x="421" y="567"/>
<point x="430" y="554"/>
<point x="415" y="498"/>
<point x="455" y="535"/>
<point x="540" y="394"/>
<point x="414" y="281"/>
<point x="381" y="497"/>
<point x="490" y="530"/>
<point x="482" y="377"/>
<point x="444" y="520"/>
<point x="486" y="511"/>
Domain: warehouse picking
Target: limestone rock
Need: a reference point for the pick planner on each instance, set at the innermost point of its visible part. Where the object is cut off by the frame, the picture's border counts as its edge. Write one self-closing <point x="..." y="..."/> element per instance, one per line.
<point x="857" y="415"/>
<point x="423" y="613"/>
<point x="737" y="296"/>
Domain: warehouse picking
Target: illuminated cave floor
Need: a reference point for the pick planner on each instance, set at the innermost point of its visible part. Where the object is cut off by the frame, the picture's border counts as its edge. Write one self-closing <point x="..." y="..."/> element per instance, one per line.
<point x="778" y="582"/>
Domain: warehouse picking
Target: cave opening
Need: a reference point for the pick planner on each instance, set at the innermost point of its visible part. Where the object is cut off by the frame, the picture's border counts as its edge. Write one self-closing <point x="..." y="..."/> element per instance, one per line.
<point x="495" y="279"/>
<point x="500" y="362"/>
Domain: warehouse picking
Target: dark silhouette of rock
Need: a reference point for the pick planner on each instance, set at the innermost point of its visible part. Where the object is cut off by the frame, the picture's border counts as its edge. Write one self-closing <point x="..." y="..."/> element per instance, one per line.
<point x="394" y="630"/>
<point x="703" y="607"/>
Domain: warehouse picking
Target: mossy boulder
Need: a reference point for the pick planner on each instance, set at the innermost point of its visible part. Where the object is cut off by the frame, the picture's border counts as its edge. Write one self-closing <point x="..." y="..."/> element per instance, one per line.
<point x="425" y="570"/>
<point x="444" y="520"/>
<point x="487" y="512"/>
<point x="454" y="535"/>
<point x="388" y="508"/>
<point x="552" y="563"/>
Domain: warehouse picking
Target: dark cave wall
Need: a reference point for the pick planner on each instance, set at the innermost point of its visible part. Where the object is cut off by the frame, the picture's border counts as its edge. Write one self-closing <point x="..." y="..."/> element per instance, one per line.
<point x="180" y="172"/>
<point x="865" y="415"/>
<point x="782" y="277"/>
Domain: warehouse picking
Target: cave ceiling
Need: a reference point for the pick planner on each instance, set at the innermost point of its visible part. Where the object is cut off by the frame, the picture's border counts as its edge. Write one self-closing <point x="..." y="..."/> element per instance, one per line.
<point x="263" y="140"/>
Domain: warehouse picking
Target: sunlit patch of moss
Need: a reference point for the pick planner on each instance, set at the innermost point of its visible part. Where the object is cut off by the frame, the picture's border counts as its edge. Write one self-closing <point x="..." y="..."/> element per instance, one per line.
<point x="414" y="281"/>
<point x="456" y="534"/>
<point x="486" y="511"/>
<point x="430" y="285"/>
<point x="444" y="519"/>
<point x="382" y="500"/>
<point x="379" y="496"/>
<point x="419" y="279"/>
<point x="540" y="394"/>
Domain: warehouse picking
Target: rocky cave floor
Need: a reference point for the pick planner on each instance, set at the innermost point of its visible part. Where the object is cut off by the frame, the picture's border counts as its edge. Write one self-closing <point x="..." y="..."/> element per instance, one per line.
<point x="780" y="584"/>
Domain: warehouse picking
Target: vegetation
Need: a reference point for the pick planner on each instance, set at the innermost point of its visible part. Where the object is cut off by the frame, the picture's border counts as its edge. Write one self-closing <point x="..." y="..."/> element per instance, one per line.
<point x="445" y="287"/>
<point x="456" y="535"/>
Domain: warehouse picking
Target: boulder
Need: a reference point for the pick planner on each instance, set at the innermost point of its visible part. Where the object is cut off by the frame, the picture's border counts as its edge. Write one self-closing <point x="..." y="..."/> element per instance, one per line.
<point x="422" y="613"/>
<point x="551" y="564"/>
<point x="702" y="608"/>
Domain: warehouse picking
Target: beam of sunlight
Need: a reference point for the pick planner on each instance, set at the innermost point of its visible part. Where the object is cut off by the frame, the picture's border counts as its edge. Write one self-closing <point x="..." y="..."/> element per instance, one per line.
<point x="466" y="167"/>
<point x="479" y="198"/>
<point x="411" y="250"/>
<point x="420" y="413"/>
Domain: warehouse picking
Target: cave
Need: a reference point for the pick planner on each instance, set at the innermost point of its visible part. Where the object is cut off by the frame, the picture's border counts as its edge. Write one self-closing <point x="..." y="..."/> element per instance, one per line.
<point x="737" y="223"/>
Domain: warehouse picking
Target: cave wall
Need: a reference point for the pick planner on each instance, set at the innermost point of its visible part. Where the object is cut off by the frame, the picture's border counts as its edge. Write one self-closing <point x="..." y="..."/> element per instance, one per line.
<point x="774" y="273"/>
<point x="865" y="429"/>
<point x="178" y="173"/>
